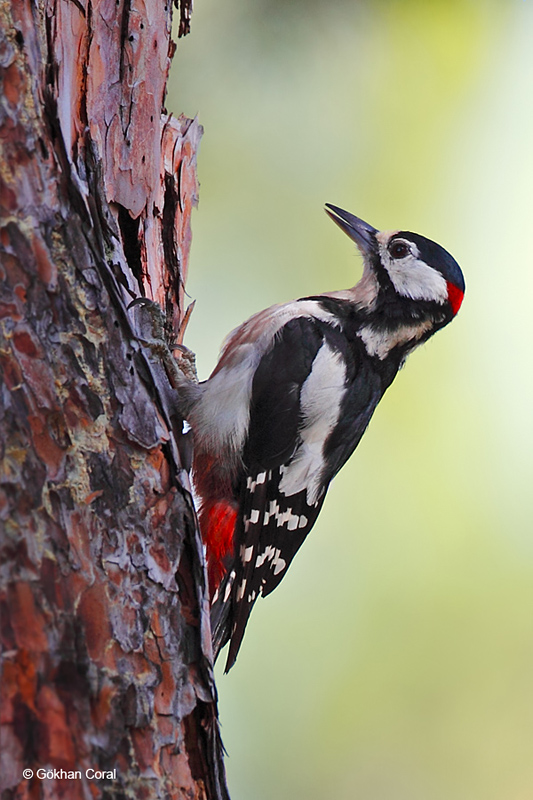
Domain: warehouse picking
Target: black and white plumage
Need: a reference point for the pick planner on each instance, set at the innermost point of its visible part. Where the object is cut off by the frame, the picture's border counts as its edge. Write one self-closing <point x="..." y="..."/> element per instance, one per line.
<point x="288" y="402"/>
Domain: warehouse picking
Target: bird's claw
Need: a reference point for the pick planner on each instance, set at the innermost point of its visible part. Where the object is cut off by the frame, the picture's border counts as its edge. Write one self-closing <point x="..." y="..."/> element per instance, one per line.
<point x="161" y="341"/>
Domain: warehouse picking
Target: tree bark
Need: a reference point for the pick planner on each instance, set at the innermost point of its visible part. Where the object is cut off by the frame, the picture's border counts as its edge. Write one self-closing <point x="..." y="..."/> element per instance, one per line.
<point x="106" y="662"/>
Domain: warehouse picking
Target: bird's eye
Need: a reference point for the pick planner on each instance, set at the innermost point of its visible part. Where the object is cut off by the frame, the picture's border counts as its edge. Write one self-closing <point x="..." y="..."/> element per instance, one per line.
<point x="399" y="249"/>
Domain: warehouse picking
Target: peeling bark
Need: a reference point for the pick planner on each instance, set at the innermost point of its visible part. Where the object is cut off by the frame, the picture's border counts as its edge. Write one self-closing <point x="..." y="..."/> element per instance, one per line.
<point x="106" y="661"/>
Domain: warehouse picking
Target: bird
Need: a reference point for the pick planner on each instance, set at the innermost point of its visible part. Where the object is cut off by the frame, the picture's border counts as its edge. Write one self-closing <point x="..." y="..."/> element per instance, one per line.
<point x="291" y="396"/>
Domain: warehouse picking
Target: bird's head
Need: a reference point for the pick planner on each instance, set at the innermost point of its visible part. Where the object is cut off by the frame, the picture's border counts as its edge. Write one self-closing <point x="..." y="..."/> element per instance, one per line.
<point x="404" y="266"/>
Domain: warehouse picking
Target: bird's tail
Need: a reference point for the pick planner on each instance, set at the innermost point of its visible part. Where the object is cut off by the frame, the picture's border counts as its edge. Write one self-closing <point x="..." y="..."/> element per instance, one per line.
<point x="221" y="615"/>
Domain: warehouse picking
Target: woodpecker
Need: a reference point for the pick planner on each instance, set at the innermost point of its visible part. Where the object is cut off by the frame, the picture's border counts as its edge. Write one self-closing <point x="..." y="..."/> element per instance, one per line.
<point x="288" y="402"/>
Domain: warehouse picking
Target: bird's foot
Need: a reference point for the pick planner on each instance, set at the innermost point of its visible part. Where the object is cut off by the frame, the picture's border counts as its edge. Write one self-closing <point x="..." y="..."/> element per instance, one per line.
<point x="162" y="342"/>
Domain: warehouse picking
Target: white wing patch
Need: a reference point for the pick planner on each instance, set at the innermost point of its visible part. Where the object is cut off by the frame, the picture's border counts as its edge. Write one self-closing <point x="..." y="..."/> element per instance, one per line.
<point x="220" y="418"/>
<point x="272" y="554"/>
<point x="246" y="554"/>
<point x="320" y="399"/>
<point x="261" y="478"/>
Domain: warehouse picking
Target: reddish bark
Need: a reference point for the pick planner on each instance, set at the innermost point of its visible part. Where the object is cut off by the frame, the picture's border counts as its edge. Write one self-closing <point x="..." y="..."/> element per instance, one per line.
<point x="105" y="625"/>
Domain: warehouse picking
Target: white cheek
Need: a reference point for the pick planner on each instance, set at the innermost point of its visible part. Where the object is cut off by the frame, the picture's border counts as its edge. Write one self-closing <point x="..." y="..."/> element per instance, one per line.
<point x="413" y="278"/>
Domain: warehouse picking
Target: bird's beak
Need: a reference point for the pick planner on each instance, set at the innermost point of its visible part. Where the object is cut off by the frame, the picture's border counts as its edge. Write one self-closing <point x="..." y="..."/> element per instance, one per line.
<point x="363" y="234"/>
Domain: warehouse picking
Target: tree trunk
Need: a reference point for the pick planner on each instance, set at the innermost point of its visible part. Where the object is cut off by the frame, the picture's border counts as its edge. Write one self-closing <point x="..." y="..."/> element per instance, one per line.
<point x="105" y="619"/>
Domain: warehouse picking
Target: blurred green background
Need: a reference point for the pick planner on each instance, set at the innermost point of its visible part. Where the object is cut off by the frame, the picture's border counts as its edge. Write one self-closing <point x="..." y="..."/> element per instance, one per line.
<point x="396" y="658"/>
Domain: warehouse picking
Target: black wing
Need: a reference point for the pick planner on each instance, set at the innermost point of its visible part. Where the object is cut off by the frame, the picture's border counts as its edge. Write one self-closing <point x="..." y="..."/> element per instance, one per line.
<point x="275" y="512"/>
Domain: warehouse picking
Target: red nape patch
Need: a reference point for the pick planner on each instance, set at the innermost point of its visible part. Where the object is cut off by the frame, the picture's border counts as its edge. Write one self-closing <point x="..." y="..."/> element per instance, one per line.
<point x="455" y="296"/>
<point x="217" y="523"/>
